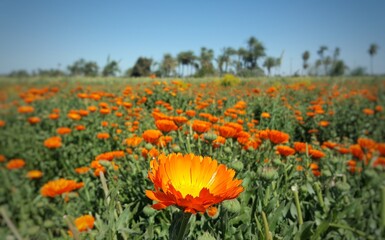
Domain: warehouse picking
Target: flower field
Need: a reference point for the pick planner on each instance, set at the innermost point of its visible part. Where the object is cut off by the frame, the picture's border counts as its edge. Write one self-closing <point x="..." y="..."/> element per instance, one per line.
<point x="229" y="158"/>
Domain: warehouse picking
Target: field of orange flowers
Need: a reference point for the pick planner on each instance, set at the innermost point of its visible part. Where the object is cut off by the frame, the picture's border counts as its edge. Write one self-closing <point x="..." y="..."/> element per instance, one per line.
<point x="197" y="159"/>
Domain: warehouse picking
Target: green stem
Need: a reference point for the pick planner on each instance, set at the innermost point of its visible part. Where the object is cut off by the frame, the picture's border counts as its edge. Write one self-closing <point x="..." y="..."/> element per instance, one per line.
<point x="317" y="188"/>
<point x="180" y="233"/>
<point x="266" y="225"/>
<point x="383" y="206"/>
<point x="10" y="224"/>
<point x="105" y="187"/>
<point x="297" y="205"/>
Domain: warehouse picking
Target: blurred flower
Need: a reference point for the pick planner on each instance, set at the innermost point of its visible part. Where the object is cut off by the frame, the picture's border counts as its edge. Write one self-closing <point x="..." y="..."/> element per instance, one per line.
<point x="63" y="130"/>
<point x="57" y="187"/>
<point x="285" y="150"/>
<point x="53" y="142"/>
<point x="278" y="137"/>
<point x="34" y="120"/>
<point x="103" y="135"/>
<point x="34" y="174"/>
<point x="25" y="109"/>
<point x="15" y="164"/>
<point x="151" y="136"/>
<point x="165" y="125"/>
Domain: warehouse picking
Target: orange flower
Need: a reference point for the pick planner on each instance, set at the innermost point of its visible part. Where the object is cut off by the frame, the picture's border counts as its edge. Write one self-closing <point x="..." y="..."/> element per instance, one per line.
<point x="190" y="113"/>
<point x="323" y="123"/>
<point x="212" y="211"/>
<point x="191" y="182"/>
<point x="57" y="187"/>
<point x="151" y="136"/>
<point x="301" y="147"/>
<point x="82" y="170"/>
<point x="109" y="156"/>
<point x="104" y="111"/>
<point x="133" y="141"/>
<point x="25" y="109"/>
<point x="15" y="164"/>
<point x="316" y="154"/>
<point x="278" y="137"/>
<point x="367" y="143"/>
<point x="165" y="125"/>
<point x="2" y="158"/>
<point x="2" y="123"/>
<point x="92" y="108"/>
<point x="63" y="130"/>
<point x="104" y="123"/>
<point x="74" y="116"/>
<point x="368" y="111"/>
<point x="80" y="127"/>
<point x="34" y="174"/>
<point x="381" y="148"/>
<point x="330" y="145"/>
<point x="299" y="168"/>
<point x="227" y="132"/>
<point x="53" y="116"/>
<point x="285" y="150"/>
<point x="34" y="120"/>
<point x="201" y="126"/>
<point x="265" y="115"/>
<point x="53" y="142"/>
<point x="219" y="141"/>
<point x="84" y="223"/>
<point x="179" y="120"/>
<point x="103" y="135"/>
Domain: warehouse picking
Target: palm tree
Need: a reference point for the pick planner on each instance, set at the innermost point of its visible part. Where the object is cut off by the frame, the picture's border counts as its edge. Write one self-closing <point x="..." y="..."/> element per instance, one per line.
<point x="320" y="52"/>
<point x="241" y="63"/>
<point x="185" y="59"/>
<point x="168" y="65"/>
<point x="269" y="63"/>
<point x="373" y="48"/>
<point x="206" y="61"/>
<point x="255" y="51"/>
<point x="305" y="58"/>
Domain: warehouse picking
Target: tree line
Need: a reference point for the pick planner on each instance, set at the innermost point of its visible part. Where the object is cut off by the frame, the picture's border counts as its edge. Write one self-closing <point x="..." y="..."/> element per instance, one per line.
<point x="248" y="61"/>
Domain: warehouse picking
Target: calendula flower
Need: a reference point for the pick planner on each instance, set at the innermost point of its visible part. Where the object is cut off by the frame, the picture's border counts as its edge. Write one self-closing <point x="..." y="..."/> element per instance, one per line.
<point x="57" y="187"/>
<point x="15" y="164"/>
<point x="34" y="174"/>
<point x="53" y="142"/>
<point x="278" y="137"/>
<point x="166" y="125"/>
<point x="82" y="170"/>
<point x="301" y="147"/>
<point x="265" y="115"/>
<point x="151" y="136"/>
<point x="34" y="120"/>
<point x="84" y="223"/>
<point x="63" y="130"/>
<point x="193" y="183"/>
<point x="285" y="150"/>
<point x="316" y="154"/>
<point x="25" y="109"/>
<point x="103" y="135"/>
<point x="74" y="116"/>
<point x="201" y="126"/>
<point x="227" y="132"/>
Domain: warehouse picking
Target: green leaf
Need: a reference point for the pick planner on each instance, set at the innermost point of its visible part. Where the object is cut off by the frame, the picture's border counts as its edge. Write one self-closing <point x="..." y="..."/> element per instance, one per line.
<point x="320" y="230"/>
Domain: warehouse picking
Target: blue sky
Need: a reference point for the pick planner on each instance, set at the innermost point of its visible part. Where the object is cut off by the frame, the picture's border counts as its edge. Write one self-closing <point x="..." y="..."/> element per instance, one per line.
<point x="51" y="34"/>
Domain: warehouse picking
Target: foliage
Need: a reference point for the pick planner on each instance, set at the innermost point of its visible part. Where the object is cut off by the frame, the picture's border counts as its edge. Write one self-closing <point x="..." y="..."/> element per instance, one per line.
<point x="331" y="187"/>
